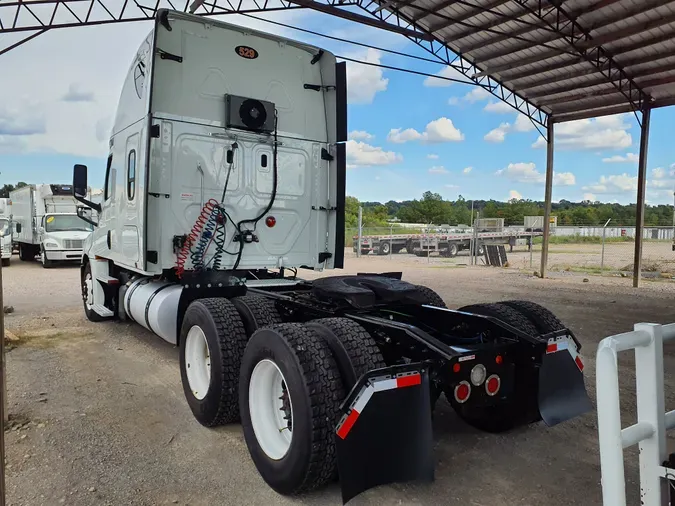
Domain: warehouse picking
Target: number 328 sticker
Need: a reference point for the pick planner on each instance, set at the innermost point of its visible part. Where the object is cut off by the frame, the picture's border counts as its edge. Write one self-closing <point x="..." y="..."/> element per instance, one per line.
<point x="246" y="52"/>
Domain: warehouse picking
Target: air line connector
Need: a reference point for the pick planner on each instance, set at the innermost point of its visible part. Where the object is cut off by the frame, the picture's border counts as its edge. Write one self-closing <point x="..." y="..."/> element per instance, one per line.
<point x="247" y="237"/>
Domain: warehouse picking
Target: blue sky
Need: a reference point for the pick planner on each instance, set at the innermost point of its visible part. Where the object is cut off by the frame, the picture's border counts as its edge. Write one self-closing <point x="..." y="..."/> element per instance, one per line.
<point x="409" y="133"/>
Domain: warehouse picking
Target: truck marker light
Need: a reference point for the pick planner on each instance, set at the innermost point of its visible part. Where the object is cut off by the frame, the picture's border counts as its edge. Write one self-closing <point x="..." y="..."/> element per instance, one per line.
<point x="270" y="221"/>
<point x="456" y="367"/>
<point x="462" y="392"/>
<point x="499" y="360"/>
<point x="492" y="385"/>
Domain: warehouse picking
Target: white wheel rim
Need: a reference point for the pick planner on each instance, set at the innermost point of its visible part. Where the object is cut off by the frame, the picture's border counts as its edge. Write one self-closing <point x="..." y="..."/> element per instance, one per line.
<point x="267" y="408"/>
<point x="89" y="286"/>
<point x="197" y="362"/>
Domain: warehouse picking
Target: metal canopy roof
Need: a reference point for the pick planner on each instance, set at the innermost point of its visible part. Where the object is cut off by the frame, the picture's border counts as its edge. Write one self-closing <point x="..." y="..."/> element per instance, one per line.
<point x="571" y="59"/>
<point x="549" y="59"/>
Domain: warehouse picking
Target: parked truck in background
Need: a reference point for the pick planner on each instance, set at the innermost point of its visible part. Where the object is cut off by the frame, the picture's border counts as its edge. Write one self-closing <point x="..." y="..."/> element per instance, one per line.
<point x="6" y="231"/>
<point x="46" y="223"/>
<point x="225" y="176"/>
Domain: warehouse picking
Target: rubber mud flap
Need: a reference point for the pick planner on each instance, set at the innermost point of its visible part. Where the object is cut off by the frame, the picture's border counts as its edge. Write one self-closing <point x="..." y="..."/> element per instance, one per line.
<point x="562" y="392"/>
<point x="385" y="434"/>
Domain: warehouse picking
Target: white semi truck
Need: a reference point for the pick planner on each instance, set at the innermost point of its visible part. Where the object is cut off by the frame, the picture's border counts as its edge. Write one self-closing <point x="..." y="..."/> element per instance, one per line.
<point x="46" y="223"/>
<point x="226" y="174"/>
<point x="6" y="231"/>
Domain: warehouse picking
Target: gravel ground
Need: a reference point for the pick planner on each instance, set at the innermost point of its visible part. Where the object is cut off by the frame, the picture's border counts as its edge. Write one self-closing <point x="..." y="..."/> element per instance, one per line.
<point x="98" y="414"/>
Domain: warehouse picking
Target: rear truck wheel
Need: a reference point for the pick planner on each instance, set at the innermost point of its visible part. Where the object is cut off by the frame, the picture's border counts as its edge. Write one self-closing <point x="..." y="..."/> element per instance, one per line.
<point x="430" y="297"/>
<point x="6" y="262"/>
<point x="290" y="392"/>
<point x="480" y="251"/>
<point x="87" y="283"/>
<point x="452" y="250"/>
<point x="343" y="335"/>
<point x="256" y="312"/>
<point x="384" y="248"/>
<point x="212" y="342"/>
<point x="543" y="319"/>
<point x="521" y="407"/>
<point x="26" y="253"/>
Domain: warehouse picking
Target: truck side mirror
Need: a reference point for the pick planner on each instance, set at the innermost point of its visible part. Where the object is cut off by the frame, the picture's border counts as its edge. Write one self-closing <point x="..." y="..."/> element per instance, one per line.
<point x="18" y="228"/>
<point x="79" y="180"/>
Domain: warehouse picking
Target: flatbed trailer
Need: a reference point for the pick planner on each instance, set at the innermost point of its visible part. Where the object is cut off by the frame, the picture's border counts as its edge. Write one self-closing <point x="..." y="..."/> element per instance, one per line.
<point x="447" y="245"/>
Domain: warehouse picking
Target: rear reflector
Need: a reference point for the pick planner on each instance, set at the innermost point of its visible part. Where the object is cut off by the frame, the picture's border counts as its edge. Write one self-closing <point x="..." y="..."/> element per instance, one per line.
<point x="462" y="392"/>
<point x="492" y="385"/>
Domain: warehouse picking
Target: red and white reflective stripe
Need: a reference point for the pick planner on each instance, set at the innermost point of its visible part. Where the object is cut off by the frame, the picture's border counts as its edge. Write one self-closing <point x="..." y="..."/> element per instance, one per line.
<point x="565" y="343"/>
<point x="380" y="384"/>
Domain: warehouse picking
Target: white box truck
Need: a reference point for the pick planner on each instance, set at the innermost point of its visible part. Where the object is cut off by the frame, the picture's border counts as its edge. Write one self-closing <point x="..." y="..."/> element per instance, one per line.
<point x="5" y="231"/>
<point x="226" y="174"/>
<point x="46" y="223"/>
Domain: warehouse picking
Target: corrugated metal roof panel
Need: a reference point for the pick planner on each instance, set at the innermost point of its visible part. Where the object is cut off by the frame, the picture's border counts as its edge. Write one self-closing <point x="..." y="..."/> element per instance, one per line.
<point x="571" y="56"/>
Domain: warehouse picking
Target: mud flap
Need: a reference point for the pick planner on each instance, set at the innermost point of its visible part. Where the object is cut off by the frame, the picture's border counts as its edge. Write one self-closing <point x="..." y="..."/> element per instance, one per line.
<point x="384" y="434"/>
<point x="562" y="392"/>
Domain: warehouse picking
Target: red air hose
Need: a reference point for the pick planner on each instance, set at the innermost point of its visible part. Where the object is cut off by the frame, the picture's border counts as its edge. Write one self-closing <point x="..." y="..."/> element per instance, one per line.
<point x="194" y="235"/>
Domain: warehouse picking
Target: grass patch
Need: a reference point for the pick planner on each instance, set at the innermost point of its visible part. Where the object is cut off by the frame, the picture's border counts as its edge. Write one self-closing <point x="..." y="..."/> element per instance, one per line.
<point x="582" y="239"/>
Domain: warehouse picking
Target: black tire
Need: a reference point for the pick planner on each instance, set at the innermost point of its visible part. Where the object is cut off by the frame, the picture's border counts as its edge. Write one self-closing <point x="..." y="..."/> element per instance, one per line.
<point x="256" y="312"/>
<point x="46" y="263"/>
<point x="452" y="250"/>
<point x="313" y="382"/>
<point x="480" y="251"/>
<point x="543" y="319"/>
<point x="6" y="262"/>
<point x="26" y="253"/>
<point x="522" y="407"/>
<point x="430" y="297"/>
<point x="384" y="248"/>
<point x="226" y="341"/>
<point x="364" y="354"/>
<point x="89" y="313"/>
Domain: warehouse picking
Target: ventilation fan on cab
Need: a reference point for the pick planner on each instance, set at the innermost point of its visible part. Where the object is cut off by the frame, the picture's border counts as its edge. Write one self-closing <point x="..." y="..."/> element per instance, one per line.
<point x="249" y="114"/>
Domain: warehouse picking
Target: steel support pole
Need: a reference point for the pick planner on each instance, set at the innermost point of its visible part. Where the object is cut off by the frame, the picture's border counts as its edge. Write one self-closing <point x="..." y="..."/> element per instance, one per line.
<point x="360" y="234"/>
<point x="640" y="208"/>
<point x="4" y="415"/>
<point x="548" y="197"/>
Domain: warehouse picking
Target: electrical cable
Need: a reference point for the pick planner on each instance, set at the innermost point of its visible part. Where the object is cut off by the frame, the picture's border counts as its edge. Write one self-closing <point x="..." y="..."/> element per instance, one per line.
<point x="275" y="177"/>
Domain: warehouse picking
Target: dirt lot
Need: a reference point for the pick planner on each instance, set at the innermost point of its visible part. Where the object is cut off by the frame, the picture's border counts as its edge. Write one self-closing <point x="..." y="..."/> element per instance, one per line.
<point x="105" y="421"/>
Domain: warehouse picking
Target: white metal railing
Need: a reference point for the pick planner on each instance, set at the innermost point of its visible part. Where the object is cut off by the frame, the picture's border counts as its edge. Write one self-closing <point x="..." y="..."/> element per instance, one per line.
<point x="652" y="421"/>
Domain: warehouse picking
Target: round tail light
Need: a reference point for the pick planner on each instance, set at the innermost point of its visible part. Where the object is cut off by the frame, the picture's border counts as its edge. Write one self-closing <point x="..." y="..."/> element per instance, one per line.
<point x="492" y="385"/>
<point x="270" y="221"/>
<point x="478" y="374"/>
<point x="462" y="392"/>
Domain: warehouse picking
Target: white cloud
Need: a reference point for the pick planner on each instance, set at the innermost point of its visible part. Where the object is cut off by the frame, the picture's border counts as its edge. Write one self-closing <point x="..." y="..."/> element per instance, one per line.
<point x="615" y="183"/>
<point x="589" y="196"/>
<point x="467" y="170"/>
<point x="24" y="118"/>
<point x="360" y="135"/>
<point x="432" y="156"/>
<point x="398" y="136"/>
<point x="437" y="131"/>
<point x="513" y="194"/>
<point x="658" y="173"/>
<point x="477" y="94"/>
<point x="365" y="81"/>
<point x="451" y="186"/>
<point x="528" y="173"/>
<point x="498" y="134"/>
<point x="360" y="154"/>
<point x="498" y="107"/>
<point x="438" y="169"/>
<point x="523" y="124"/>
<point x="630" y="157"/>
<point x="449" y="73"/>
<point x="75" y="93"/>
<point x="453" y="101"/>
<point x="607" y="132"/>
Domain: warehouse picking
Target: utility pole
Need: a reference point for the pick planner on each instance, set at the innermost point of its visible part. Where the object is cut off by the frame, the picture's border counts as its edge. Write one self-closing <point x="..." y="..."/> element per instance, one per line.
<point x="4" y="414"/>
